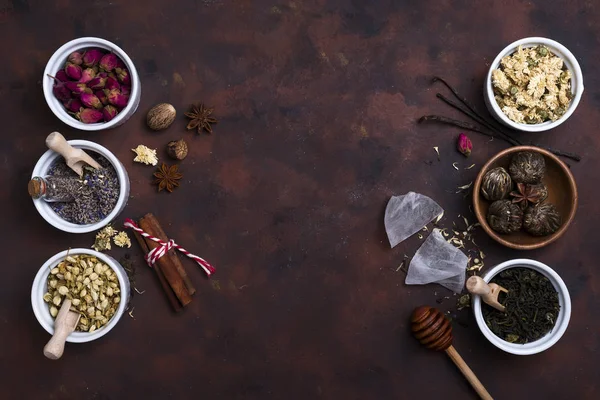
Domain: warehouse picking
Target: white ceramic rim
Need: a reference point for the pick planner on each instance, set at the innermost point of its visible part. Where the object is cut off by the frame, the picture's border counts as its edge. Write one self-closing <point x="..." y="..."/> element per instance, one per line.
<point x="39" y="287"/>
<point x="61" y="55"/>
<point x="576" y="83"/>
<point x="41" y="169"/>
<point x="551" y="337"/>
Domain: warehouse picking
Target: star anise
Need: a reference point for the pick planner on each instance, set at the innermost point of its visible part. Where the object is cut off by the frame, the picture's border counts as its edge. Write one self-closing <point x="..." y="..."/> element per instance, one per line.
<point x="167" y="177"/>
<point x="201" y="118"/>
<point x="525" y="194"/>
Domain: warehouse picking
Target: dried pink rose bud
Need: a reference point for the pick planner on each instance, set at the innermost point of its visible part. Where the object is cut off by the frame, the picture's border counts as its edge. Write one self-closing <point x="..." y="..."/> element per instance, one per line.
<point x="92" y="57"/>
<point x="97" y="83"/>
<point x="116" y="98"/>
<point x="109" y="112"/>
<point x="89" y="116"/>
<point x="87" y="75"/>
<point x="73" y="105"/>
<point x="123" y="76"/>
<point x="77" y="88"/>
<point x="120" y="63"/>
<point x="90" y="100"/>
<point x="108" y="62"/>
<point x="112" y="83"/>
<point x="126" y="90"/>
<point x="73" y="71"/>
<point x="464" y="145"/>
<point x="61" y="76"/>
<point x="61" y="92"/>
<point x="101" y="96"/>
<point x="75" y="58"/>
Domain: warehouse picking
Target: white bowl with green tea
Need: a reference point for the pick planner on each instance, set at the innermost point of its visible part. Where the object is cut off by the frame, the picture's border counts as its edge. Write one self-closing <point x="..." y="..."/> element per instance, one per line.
<point x="96" y="284"/>
<point x="537" y="307"/>
<point x="533" y="85"/>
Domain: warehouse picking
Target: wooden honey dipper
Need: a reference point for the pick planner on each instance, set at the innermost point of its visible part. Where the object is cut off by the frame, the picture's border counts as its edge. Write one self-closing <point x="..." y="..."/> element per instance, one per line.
<point x="431" y="327"/>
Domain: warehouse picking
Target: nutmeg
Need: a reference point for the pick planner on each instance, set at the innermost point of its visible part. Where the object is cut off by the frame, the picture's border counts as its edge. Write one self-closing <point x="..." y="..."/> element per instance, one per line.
<point x="161" y="116"/>
<point x="177" y="149"/>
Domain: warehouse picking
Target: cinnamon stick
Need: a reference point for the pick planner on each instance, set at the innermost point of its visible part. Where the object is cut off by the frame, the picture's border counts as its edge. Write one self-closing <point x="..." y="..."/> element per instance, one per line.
<point x="150" y="224"/>
<point x="159" y="233"/>
<point x="161" y="277"/>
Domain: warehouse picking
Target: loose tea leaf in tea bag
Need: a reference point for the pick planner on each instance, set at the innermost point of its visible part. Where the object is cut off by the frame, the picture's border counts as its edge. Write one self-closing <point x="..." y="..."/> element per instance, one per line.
<point x="437" y="261"/>
<point x="408" y="214"/>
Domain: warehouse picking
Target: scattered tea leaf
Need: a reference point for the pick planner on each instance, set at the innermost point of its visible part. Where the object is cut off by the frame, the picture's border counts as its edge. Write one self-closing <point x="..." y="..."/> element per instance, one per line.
<point x="455" y="165"/>
<point x="437" y="150"/>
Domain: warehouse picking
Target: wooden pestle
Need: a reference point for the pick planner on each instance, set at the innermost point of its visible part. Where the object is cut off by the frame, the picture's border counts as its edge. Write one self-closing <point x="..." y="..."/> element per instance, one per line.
<point x="489" y="292"/>
<point x="434" y="331"/>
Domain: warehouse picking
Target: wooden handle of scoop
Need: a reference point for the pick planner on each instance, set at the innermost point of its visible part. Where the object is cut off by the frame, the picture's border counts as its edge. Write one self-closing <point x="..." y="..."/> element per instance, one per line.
<point x="57" y="142"/>
<point x="64" y="324"/>
<point x="489" y="294"/>
<point x="468" y="373"/>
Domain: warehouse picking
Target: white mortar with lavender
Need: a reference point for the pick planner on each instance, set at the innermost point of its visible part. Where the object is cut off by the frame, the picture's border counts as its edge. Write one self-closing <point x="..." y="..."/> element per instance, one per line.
<point x="95" y="207"/>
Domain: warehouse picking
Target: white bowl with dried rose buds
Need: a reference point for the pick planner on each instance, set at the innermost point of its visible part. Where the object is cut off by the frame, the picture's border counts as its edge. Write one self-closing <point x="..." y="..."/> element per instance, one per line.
<point x="533" y="85"/>
<point x="91" y="84"/>
<point x="97" y="285"/>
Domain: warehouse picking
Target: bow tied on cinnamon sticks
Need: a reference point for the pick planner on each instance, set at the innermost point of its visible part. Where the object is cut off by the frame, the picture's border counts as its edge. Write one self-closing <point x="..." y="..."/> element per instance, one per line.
<point x="161" y="255"/>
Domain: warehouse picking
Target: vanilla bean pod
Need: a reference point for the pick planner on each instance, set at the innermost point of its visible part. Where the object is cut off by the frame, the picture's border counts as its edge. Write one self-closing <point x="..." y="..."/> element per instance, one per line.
<point x="474" y="115"/>
<point x="454" y="122"/>
<point x="479" y="120"/>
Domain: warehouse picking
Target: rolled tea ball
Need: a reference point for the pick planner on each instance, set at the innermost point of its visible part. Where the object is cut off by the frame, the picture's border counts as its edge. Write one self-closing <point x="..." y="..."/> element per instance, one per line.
<point x="541" y="220"/>
<point x="527" y="167"/>
<point x="505" y="217"/>
<point x="496" y="184"/>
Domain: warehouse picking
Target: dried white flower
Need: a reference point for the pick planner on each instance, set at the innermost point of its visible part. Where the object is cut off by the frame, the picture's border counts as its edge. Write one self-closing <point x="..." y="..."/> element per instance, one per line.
<point x="122" y="240"/>
<point x="145" y="155"/>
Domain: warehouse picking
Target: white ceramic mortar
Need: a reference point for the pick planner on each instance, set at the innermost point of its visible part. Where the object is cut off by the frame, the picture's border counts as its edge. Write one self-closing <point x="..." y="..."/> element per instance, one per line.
<point x="41" y="169"/>
<point x="57" y="62"/>
<point x="562" y="321"/>
<point x="557" y="49"/>
<point x="40" y="287"/>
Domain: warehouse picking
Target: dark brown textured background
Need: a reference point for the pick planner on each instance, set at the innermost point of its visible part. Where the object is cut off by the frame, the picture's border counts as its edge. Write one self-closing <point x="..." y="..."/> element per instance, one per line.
<point x="317" y="102"/>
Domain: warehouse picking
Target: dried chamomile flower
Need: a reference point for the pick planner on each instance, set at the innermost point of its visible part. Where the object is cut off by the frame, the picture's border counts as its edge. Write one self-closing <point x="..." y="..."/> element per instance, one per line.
<point x="122" y="240"/>
<point x="145" y="155"/>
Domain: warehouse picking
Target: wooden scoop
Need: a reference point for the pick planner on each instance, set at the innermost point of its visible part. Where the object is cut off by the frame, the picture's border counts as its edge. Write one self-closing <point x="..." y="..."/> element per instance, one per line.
<point x="75" y="158"/>
<point x="489" y="292"/>
<point x="434" y="331"/>
<point x="65" y="323"/>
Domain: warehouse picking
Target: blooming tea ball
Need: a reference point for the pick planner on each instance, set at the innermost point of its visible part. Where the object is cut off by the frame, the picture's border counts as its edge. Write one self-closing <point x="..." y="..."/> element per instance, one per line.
<point x="496" y="184"/>
<point x="527" y="167"/>
<point x="505" y="217"/>
<point x="541" y="220"/>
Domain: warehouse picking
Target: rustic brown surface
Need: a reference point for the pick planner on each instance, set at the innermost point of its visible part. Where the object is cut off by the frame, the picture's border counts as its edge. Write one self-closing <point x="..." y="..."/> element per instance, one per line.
<point x="317" y="102"/>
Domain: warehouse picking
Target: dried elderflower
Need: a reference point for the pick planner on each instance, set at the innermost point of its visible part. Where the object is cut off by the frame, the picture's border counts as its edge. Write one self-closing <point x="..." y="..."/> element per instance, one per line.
<point x="102" y="241"/>
<point x="121" y="239"/>
<point x="145" y="155"/>
<point x="92" y="286"/>
<point x="532" y="85"/>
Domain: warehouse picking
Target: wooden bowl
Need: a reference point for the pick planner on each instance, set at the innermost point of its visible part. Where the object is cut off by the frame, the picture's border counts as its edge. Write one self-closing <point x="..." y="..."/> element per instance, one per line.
<point x="562" y="192"/>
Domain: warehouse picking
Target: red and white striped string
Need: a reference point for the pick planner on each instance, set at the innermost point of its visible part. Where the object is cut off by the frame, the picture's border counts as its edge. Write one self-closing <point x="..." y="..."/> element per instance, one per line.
<point x="161" y="250"/>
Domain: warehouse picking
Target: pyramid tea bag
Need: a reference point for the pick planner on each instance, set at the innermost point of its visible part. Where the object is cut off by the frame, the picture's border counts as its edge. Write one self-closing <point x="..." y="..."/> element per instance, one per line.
<point x="408" y="214"/>
<point x="437" y="261"/>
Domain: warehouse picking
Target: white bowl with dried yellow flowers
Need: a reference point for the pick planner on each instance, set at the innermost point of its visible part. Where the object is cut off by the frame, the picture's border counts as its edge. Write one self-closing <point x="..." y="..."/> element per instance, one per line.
<point x="97" y="285"/>
<point x="533" y="85"/>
